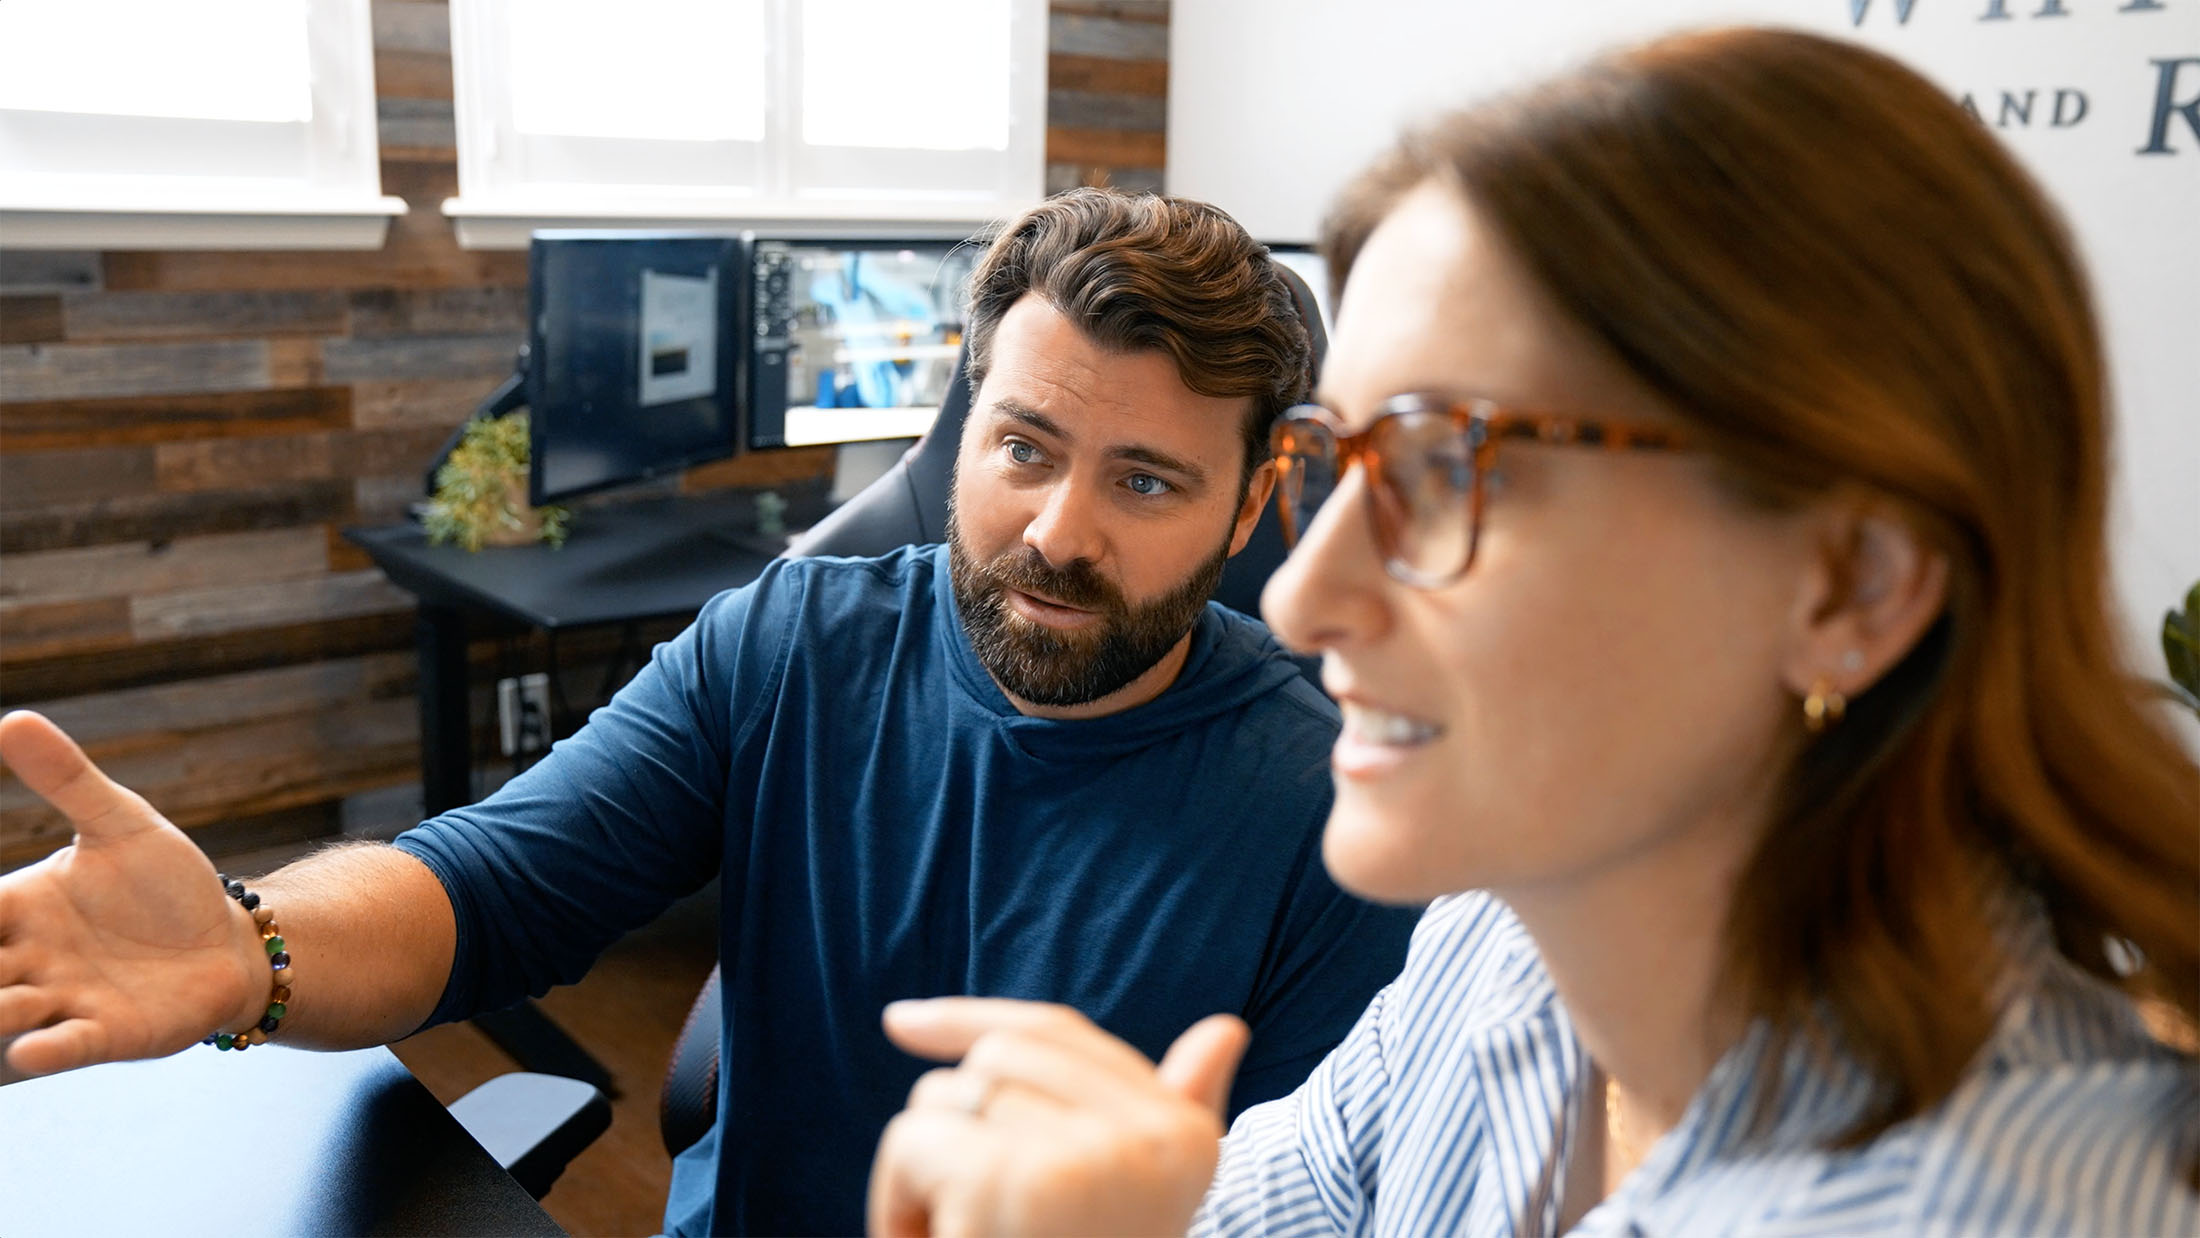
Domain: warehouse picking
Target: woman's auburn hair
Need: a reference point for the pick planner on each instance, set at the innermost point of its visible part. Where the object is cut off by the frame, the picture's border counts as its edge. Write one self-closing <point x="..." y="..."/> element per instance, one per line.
<point x="1840" y="279"/>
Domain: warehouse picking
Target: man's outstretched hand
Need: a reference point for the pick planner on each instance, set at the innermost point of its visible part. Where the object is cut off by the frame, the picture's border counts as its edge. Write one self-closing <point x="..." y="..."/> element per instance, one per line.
<point x="122" y="944"/>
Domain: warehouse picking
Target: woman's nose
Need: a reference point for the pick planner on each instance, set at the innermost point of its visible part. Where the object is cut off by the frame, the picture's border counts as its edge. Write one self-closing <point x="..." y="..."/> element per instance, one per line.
<point x="1330" y="591"/>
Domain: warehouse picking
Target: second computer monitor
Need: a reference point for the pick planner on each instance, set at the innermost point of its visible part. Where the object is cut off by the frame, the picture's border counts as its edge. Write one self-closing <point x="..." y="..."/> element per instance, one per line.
<point x="631" y="371"/>
<point x="853" y="340"/>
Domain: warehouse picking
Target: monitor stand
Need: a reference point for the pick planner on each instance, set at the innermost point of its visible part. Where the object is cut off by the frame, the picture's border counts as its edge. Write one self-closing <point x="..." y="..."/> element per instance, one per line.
<point x="856" y="465"/>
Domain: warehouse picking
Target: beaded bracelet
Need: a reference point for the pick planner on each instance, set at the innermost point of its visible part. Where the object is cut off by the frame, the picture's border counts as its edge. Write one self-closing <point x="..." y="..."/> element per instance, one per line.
<point x="278" y="962"/>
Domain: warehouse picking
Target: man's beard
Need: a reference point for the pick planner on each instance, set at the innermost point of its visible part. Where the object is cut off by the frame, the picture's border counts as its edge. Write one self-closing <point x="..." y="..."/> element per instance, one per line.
<point x="1046" y="666"/>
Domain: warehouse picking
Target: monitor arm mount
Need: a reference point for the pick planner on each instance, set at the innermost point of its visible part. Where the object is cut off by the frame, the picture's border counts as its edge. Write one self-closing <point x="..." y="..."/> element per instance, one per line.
<point x="507" y="397"/>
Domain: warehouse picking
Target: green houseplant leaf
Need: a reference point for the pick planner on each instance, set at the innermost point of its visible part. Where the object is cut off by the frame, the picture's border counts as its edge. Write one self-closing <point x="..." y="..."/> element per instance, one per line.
<point x="2181" y="649"/>
<point x="481" y="491"/>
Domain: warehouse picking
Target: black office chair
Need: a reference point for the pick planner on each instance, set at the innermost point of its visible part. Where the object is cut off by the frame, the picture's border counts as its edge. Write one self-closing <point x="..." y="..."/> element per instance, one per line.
<point x="905" y="506"/>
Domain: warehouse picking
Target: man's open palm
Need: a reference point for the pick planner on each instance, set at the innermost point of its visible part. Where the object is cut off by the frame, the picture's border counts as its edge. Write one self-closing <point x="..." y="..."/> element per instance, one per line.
<point x="120" y="945"/>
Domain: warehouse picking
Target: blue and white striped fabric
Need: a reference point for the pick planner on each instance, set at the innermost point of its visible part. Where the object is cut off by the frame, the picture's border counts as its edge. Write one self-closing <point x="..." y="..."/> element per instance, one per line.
<point x="1451" y="1106"/>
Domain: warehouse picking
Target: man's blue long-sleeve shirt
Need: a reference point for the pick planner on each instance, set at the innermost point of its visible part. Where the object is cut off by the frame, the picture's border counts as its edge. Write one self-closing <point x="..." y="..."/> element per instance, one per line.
<point x="887" y="826"/>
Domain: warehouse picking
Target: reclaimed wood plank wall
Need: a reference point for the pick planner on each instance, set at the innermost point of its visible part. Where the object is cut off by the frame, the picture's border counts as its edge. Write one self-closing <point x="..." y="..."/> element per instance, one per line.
<point x="184" y="433"/>
<point x="1107" y="93"/>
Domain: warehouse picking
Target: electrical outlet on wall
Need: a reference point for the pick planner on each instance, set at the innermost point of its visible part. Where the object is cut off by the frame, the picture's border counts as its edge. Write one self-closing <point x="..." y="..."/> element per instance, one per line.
<point x="523" y="713"/>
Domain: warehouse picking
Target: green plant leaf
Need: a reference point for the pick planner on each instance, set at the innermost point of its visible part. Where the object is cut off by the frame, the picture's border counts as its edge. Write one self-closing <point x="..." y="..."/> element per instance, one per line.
<point x="2181" y="643"/>
<point x="2181" y="649"/>
<point x="481" y="488"/>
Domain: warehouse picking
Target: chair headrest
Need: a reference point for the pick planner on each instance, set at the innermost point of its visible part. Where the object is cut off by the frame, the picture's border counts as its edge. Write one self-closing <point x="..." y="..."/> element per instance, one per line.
<point x="1309" y="313"/>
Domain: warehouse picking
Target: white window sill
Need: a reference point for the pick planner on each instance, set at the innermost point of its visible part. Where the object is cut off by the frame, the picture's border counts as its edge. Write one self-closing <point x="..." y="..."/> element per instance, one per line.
<point x="360" y="224"/>
<point x="508" y="225"/>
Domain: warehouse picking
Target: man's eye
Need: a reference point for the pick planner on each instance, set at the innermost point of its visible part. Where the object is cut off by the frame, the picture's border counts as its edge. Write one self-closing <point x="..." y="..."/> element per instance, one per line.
<point x="1147" y="484"/>
<point x="1022" y="452"/>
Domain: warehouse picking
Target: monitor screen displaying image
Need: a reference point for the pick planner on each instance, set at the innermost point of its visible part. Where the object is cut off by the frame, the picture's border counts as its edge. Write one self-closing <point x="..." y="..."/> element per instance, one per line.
<point x="852" y="340"/>
<point x="631" y="371"/>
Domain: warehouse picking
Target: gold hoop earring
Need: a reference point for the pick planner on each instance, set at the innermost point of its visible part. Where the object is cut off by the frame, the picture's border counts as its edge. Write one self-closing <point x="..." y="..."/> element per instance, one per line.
<point x="1823" y="707"/>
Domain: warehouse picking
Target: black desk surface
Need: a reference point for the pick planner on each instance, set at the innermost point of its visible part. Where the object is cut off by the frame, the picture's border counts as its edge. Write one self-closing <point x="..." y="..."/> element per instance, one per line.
<point x="270" y="1141"/>
<point x="637" y="560"/>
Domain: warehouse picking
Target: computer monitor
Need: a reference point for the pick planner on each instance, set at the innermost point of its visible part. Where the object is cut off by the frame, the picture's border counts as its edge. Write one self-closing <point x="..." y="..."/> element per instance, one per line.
<point x="852" y="340"/>
<point x="633" y="365"/>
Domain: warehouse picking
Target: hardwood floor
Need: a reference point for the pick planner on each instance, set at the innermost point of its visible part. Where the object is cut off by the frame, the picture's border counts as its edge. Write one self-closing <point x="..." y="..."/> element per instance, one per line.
<point x="627" y="1012"/>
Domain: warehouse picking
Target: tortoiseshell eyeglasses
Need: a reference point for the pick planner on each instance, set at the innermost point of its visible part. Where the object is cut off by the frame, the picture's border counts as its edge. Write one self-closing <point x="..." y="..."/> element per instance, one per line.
<point x="1426" y="457"/>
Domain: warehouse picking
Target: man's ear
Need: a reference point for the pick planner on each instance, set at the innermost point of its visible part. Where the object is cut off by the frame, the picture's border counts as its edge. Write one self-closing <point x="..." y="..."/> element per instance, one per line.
<point x="1872" y="591"/>
<point x="1257" y="490"/>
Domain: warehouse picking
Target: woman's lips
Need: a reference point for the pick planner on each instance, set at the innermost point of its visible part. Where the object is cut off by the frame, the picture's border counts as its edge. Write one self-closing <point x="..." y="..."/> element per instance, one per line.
<point x="1376" y="741"/>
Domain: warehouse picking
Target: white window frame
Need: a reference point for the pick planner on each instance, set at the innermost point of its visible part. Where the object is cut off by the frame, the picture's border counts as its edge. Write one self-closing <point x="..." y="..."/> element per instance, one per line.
<point x="325" y="195"/>
<point x="497" y="206"/>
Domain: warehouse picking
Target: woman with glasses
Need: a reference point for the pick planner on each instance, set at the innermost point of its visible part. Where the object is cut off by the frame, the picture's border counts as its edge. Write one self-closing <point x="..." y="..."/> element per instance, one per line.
<point x="1702" y="528"/>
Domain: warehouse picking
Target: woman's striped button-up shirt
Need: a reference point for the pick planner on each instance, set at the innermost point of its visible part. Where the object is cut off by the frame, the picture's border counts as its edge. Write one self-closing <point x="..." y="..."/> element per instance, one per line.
<point x="1451" y="1107"/>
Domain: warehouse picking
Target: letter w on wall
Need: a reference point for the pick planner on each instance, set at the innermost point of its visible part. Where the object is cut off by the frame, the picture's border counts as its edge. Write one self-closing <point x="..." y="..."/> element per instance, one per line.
<point x="1858" y="8"/>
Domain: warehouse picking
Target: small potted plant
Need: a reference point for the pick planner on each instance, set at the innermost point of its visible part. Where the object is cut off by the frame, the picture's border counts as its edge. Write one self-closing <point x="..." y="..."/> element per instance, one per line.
<point x="2181" y="648"/>
<point x="481" y="491"/>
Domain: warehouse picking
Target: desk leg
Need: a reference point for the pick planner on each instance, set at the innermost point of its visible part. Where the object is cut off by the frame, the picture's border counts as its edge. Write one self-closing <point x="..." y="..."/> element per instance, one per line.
<point x="447" y="782"/>
<point x="446" y="734"/>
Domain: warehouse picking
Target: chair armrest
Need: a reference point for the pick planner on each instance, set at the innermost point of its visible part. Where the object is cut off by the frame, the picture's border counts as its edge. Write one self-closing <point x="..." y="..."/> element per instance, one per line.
<point x="534" y="1125"/>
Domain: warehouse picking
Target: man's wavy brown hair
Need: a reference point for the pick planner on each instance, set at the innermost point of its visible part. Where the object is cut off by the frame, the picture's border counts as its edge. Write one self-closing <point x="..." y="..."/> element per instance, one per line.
<point x="1143" y="271"/>
<point x="1841" y="279"/>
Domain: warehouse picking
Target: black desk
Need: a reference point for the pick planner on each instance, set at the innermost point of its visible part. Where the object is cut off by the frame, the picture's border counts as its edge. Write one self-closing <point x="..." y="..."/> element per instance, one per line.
<point x="642" y="560"/>
<point x="271" y="1141"/>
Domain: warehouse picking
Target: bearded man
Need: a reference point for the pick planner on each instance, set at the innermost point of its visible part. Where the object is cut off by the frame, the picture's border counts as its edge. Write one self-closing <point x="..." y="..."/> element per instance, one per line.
<point x="1036" y="762"/>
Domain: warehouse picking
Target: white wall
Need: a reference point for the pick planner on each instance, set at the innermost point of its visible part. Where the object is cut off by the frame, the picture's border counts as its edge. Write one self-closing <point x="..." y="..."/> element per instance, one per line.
<point x="1273" y="104"/>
